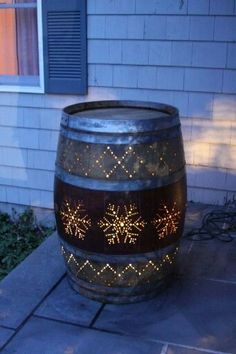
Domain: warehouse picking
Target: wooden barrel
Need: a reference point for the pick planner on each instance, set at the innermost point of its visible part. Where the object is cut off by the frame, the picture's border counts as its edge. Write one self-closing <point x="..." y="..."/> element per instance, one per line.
<point x="120" y="196"/>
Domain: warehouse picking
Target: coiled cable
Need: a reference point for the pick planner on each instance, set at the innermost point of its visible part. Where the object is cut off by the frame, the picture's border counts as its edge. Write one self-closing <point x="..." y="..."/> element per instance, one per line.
<point x="218" y="224"/>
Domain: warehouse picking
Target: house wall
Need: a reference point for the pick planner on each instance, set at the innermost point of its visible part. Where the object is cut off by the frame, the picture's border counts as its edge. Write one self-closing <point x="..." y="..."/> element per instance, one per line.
<point x="174" y="51"/>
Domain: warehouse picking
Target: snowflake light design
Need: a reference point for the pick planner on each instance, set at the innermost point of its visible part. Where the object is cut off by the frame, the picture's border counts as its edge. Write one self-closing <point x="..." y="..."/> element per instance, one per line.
<point x="167" y="221"/>
<point x="75" y="219"/>
<point x="121" y="227"/>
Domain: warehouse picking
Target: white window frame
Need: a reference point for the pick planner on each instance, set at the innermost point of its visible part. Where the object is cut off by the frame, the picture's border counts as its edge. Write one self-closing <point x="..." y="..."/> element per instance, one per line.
<point x="39" y="88"/>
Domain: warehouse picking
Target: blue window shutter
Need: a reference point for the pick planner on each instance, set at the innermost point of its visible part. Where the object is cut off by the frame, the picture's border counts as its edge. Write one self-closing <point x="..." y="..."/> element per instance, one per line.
<point x="65" y="46"/>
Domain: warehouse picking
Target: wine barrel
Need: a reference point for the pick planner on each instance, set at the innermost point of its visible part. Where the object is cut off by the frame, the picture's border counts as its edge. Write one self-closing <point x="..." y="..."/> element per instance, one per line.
<point x="120" y="197"/>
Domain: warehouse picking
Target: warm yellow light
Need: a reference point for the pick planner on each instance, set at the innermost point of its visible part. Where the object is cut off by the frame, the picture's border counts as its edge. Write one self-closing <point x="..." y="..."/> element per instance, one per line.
<point x="121" y="227"/>
<point x="168" y="222"/>
<point x="118" y="272"/>
<point x="75" y="220"/>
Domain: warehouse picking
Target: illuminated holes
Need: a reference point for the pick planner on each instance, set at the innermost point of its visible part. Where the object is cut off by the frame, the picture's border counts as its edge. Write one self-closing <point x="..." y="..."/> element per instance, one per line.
<point x="120" y="224"/>
<point x="166" y="221"/>
<point x="117" y="161"/>
<point x="111" y="274"/>
<point x="74" y="218"/>
<point x="121" y="227"/>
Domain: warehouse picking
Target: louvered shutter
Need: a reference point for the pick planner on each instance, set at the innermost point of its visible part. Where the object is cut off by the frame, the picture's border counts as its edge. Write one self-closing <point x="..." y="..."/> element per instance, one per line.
<point x="65" y="47"/>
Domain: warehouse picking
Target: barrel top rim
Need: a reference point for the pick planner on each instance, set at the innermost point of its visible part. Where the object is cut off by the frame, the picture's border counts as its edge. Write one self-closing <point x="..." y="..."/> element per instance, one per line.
<point x="75" y="110"/>
<point x="157" y="116"/>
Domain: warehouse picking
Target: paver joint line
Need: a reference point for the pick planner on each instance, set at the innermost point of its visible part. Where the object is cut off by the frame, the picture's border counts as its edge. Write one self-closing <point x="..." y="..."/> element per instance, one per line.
<point x="30" y="315"/>
<point x="6" y="327"/>
<point x="87" y="327"/>
<point x="63" y="322"/>
<point x="96" y="316"/>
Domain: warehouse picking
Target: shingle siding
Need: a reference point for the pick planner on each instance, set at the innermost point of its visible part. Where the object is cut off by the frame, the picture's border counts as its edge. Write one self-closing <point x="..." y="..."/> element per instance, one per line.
<point x="200" y="105"/>
<point x="161" y="7"/>
<point x="160" y="53"/>
<point x="225" y="28"/>
<point x="201" y="28"/>
<point x="229" y="82"/>
<point x="181" y="53"/>
<point x="209" y="55"/>
<point x="113" y="7"/>
<point x="135" y="52"/>
<point x="231" y="60"/>
<point x="203" y="80"/>
<point x="172" y="51"/>
<point x="198" y="7"/>
<point x="170" y="78"/>
<point x="219" y="7"/>
<point x="178" y="27"/>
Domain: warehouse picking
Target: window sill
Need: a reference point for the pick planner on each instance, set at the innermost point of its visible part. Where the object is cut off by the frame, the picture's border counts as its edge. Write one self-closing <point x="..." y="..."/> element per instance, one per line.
<point x="21" y="89"/>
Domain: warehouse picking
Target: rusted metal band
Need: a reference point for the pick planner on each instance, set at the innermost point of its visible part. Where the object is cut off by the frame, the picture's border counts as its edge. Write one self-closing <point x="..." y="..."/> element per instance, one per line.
<point x="119" y="259"/>
<point x="132" y="185"/>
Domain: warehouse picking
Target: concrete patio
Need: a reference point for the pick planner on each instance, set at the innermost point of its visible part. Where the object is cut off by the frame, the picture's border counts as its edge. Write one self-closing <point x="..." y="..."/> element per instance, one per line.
<point x="40" y="313"/>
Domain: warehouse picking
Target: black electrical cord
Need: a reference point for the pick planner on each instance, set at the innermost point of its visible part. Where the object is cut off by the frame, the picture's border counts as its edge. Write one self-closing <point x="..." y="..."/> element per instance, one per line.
<point x="218" y="224"/>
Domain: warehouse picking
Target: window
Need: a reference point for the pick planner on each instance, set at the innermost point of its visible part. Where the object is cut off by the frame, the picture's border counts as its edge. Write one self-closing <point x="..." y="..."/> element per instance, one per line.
<point x="19" y="46"/>
<point x="43" y="46"/>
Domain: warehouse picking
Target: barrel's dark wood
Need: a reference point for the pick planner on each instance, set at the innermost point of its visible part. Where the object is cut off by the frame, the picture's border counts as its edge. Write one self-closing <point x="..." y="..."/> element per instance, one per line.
<point x="96" y="203"/>
<point x="120" y="196"/>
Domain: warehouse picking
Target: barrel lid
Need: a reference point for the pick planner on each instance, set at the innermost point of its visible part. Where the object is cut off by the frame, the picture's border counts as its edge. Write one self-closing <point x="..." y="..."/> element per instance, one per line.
<point x="119" y="116"/>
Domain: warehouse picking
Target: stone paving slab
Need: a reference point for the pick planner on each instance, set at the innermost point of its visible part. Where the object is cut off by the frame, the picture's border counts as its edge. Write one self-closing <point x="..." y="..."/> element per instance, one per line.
<point x="172" y="349"/>
<point x="193" y="312"/>
<point x="5" y="334"/>
<point x="41" y="336"/>
<point x="211" y="259"/>
<point x="65" y="304"/>
<point x="24" y="288"/>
